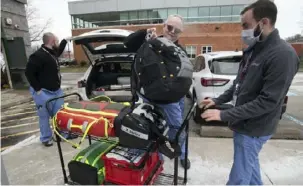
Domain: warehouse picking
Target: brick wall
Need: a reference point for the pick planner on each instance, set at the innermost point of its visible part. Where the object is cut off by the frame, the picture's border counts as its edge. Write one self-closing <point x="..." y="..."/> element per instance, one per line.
<point x="298" y="47"/>
<point x="225" y="36"/>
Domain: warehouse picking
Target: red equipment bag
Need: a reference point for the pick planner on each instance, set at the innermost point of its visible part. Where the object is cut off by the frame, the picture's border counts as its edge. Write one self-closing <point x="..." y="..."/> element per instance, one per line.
<point x="87" y="118"/>
<point x="126" y="166"/>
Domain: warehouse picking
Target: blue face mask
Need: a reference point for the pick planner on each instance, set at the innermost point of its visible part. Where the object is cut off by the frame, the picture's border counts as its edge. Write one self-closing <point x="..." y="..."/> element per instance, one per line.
<point x="248" y="36"/>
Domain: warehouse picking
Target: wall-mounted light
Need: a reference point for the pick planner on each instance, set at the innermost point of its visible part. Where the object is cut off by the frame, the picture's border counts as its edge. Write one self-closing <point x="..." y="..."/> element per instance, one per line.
<point x="8" y="21"/>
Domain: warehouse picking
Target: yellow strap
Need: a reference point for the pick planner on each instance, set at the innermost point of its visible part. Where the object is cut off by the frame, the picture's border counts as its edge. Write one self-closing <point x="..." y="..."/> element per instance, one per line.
<point x="90" y="112"/>
<point x="98" y="158"/>
<point x="80" y="127"/>
<point x="55" y="130"/>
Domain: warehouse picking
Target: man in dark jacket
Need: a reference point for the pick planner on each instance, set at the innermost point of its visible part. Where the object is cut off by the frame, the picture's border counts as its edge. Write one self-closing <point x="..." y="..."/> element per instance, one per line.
<point x="268" y="67"/>
<point x="173" y="27"/>
<point x="43" y="74"/>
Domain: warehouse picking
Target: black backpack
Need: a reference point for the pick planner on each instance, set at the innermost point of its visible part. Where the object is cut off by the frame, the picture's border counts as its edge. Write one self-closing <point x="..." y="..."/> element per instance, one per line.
<point x="162" y="72"/>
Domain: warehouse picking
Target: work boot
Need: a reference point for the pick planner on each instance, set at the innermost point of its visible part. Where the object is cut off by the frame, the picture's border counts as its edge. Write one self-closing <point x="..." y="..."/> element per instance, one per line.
<point x="48" y="143"/>
<point x="183" y="163"/>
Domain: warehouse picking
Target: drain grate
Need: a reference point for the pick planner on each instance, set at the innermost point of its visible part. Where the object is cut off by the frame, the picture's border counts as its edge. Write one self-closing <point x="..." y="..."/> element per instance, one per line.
<point x="167" y="179"/>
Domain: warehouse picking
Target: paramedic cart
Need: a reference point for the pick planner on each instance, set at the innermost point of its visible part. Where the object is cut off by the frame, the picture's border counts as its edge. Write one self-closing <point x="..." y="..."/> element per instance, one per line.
<point x="163" y="179"/>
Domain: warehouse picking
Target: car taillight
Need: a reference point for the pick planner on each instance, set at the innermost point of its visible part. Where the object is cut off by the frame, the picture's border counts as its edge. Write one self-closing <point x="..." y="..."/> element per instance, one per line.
<point x="81" y="84"/>
<point x="206" y="82"/>
<point x="285" y="99"/>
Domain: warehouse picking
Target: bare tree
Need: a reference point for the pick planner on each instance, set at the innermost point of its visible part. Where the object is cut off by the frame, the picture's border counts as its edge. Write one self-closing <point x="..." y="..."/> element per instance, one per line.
<point x="36" y="30"/>
<point x="295" y="38"/>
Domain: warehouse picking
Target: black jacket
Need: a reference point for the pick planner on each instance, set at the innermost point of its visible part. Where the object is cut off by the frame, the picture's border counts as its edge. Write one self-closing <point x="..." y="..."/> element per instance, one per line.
<point x="43" y="69"/>
<point x="272" y="68"/>
<point x="134" y="42"/>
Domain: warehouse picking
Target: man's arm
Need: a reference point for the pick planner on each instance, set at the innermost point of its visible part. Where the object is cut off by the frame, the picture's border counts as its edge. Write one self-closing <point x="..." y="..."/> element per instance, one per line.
<point x="61" y="48"/>
<point x="135" y="40"/>
<point x="33" y="67"/>
<point x="277" y="79"/>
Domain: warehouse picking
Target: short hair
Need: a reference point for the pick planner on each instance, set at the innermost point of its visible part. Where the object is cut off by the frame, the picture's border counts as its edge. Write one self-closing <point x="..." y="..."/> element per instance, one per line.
<point x="263" y="9"/>
<point x="175" y="15"/>
<point x="46" y="37"/>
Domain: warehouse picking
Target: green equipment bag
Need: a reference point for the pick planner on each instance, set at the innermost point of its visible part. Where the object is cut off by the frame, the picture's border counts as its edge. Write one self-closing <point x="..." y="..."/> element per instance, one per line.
<point x="87" y="167"/>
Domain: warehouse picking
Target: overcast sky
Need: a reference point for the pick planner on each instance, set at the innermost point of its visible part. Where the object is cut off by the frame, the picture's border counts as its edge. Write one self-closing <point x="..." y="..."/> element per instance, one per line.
<point x="290" y="14"/>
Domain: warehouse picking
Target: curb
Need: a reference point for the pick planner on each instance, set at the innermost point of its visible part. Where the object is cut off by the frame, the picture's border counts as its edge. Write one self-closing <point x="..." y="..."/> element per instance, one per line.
<point x="283" y="132"/>
<point x="26" y="100"/>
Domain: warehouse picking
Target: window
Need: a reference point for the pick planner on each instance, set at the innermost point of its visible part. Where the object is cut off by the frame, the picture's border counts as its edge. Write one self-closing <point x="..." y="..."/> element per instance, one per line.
<point x="124" y="16"/>
<point x="226" y="65"/>
<point x="203" y="14"/>
<point x="199" y="64"/>
<point x="206" y="49"/>
<point x="214" y="13"/>
<point x="183" y="12"/>
<point x="133" y="15"/>
<point x="191" y="51"/>
<point x="236" y="10"/>
<point x="162" y="14"/>
<point x="193" y="13"/>
<point x="226" y="12"/>
<point x="143" y="14"/>
<point x="172" y="11"/>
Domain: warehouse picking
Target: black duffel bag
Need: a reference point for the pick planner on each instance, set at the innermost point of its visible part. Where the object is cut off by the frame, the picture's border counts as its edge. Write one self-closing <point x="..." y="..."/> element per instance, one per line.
<point x="142" y="126"/>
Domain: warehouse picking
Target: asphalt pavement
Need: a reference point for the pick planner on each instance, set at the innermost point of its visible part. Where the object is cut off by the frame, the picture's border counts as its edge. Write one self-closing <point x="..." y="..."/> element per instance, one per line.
<point x="20" y="121"/>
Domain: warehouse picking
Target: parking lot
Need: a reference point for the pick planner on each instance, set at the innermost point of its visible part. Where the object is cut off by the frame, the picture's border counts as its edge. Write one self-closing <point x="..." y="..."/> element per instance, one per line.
<point x="20" y="121"/>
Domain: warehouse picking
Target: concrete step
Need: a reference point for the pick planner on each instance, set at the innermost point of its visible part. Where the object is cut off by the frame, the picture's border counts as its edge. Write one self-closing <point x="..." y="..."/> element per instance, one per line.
<point x="14" y="122"/>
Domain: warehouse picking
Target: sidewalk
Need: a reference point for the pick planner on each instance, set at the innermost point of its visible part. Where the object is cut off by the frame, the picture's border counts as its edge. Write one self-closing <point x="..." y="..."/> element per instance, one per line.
<point x="211" y="160"/>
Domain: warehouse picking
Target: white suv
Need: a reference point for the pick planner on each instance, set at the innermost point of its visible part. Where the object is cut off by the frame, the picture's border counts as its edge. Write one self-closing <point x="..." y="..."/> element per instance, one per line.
<point x="213" y="73"/>
<point x="110" y="64"/>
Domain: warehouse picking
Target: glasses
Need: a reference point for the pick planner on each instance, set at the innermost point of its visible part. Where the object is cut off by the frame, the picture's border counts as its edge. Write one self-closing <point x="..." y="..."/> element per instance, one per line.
<point x="171" y="28"/>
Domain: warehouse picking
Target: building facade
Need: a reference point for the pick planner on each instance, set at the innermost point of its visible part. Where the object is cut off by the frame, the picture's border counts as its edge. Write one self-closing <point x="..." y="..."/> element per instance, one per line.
<point x="210" y="25"/>
<point x="14" y="21"/>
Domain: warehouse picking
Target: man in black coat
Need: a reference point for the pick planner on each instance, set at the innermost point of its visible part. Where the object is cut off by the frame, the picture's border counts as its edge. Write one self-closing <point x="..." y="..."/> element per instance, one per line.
<point x="173" y="27"/>
<point x="43" y="74"/>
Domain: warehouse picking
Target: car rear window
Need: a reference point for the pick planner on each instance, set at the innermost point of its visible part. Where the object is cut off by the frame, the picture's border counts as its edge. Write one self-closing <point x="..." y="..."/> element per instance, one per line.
<point x="225" y="66"/>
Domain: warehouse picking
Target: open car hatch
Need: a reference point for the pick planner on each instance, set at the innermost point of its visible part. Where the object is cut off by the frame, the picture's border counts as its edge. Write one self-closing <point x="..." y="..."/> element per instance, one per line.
<point x="98" y="44"/>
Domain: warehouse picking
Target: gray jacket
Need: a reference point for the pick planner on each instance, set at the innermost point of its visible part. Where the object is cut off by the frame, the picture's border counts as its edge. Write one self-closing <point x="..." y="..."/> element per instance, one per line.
<point x="273" y="66"/>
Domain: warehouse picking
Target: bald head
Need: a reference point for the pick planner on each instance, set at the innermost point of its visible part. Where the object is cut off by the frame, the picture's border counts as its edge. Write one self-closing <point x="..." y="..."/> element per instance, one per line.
<point x="173" y="27"/>
<point x="50" y="40"/>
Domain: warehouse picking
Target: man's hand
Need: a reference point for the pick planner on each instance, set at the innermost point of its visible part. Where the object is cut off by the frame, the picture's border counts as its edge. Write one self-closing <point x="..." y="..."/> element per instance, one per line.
<point x="152" y="32"/>
<point x="211" y="115"/>
<point x="207" y="102"/>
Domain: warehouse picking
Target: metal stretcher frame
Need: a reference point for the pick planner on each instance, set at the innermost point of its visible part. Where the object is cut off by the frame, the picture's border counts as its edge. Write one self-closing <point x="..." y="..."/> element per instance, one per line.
<point x="175" y="177"/>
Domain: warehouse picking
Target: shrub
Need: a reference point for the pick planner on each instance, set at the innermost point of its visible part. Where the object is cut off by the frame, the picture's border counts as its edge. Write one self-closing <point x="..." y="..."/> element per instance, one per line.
<point x="83" y="63"/>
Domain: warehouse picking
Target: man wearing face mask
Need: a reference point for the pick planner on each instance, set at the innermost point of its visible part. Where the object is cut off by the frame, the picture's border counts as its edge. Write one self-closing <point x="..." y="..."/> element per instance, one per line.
<point x="266" y="71"/>
<point x="172" y="29"/>
<point x="43" y="74"/>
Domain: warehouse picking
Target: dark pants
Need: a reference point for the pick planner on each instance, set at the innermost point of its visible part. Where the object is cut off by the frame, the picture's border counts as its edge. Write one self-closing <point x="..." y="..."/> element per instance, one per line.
<point x="246" y="168"/>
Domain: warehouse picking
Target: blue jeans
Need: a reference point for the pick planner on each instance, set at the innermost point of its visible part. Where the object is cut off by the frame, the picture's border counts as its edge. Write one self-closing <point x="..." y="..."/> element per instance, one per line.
<point x="246" y="168"/>
<point x="40" y="100"/>
<point x="174" y="118"/>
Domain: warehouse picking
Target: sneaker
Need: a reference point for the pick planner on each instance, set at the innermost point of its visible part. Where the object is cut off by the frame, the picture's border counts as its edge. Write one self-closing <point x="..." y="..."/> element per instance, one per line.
<point x="48" y="143"/>
<point x="183" y="163"/>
